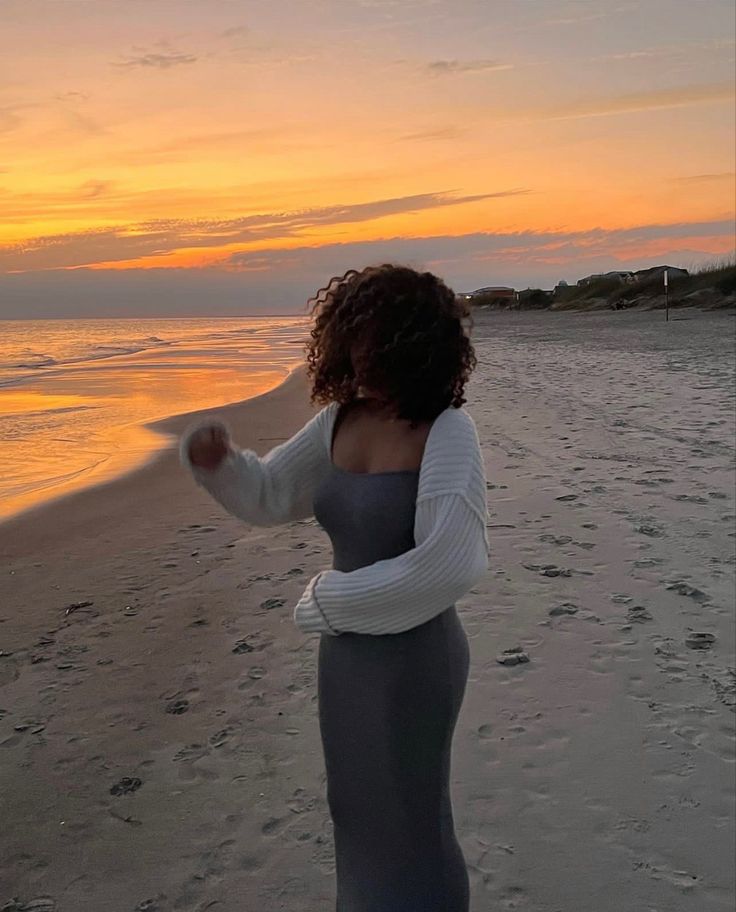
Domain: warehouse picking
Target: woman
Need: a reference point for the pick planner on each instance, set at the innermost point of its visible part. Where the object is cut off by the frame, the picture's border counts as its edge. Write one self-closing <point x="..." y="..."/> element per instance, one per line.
<point x="391" y="468"/>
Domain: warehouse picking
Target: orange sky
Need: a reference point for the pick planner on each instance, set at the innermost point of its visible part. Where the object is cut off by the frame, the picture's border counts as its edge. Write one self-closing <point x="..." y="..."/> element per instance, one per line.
<point x="283" y="140"/>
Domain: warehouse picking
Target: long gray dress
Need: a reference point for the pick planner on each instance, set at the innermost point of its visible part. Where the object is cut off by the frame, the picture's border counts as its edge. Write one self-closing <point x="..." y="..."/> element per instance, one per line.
<point x="388" y="705"/>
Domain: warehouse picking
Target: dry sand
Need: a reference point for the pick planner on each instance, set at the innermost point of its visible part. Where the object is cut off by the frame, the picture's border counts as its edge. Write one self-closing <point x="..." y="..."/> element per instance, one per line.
<point x="597" y="777"/>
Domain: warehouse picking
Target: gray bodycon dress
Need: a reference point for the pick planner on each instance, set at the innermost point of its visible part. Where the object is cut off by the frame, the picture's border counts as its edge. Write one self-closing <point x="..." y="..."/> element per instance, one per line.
<point x="388" y="705"/>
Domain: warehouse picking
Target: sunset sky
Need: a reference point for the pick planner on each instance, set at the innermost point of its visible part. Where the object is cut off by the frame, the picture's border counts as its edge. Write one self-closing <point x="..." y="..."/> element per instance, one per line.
<point x="215" y="156"/>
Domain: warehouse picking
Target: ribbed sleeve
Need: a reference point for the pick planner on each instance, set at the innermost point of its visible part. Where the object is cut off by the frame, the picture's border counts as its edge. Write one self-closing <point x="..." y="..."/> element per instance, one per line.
<point x="272" y="489"/>
<point x="394" y="595"/>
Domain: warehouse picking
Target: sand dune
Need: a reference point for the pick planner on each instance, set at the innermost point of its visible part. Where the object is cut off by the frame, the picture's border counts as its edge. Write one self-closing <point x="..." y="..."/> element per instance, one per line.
<point x="159" y="744"/>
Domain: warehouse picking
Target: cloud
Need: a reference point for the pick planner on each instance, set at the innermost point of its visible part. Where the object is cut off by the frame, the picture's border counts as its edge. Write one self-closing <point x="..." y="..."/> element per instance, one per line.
<point x="158" y="60"/>
<point x="503" y="248"/>
<point x="275" y="280"/>
<point x="429" y="135"/>
<point x="71" y="96"/>
<point x="705" y="178"/>
<point x="450" y="67"/>
<point x="592" y="15"/>
<point x="236" y="31"/>
<point x="638" y="101"/>
<point x="160" y="237"/>
<point x="93" y="188"/>
<point x="688" y="49"/>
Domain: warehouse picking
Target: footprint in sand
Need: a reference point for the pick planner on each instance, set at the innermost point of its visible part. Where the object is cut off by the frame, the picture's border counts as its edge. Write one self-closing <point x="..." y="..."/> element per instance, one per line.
<point x="177" y="707"/>
<point x="556" y="539"/>
<point x="301" y="802"/>
<point x="638" y="614"/>
<point x="274" y="826"/>
<point x="253" y="642"/>
<point x="40" y="904"/>
<point x="690" y="498"/>
<point x="152" y="905"/>
<point x="126" y="785"/>
<point x="681" y="879"/>
<point x="683" y="588"/>
<point x="565" y="608"/>
<point x="700" y="640"/>
<point x="648" y="562"/>
<point x="513" y="656"/>
<point x="650" y="530"/>
<point x="221" y="737"/>
<point x="242" y="646"/>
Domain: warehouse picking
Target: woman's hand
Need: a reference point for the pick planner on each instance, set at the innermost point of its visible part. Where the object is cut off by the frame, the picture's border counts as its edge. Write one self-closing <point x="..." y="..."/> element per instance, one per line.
<point x="208" y="446"/>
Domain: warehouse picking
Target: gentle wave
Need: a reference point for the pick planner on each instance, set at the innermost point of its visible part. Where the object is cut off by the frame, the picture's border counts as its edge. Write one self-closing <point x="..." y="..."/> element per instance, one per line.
<point x="39" y="361"/>
<point x="75" y="395"/>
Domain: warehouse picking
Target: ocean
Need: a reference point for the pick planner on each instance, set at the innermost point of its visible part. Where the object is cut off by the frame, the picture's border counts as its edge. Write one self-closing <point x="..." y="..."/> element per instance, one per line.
<point x="75" y="394"/>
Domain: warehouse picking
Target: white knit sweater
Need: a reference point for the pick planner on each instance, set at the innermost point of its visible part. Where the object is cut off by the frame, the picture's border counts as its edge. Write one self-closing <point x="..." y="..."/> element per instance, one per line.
<point x="389" y="596"/>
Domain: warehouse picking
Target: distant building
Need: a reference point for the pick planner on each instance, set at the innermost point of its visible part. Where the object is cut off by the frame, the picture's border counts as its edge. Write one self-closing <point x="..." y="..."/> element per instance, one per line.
<point x="673" y="272"/>
<point x="622" y="276"/>
<point x="492" y="291"/>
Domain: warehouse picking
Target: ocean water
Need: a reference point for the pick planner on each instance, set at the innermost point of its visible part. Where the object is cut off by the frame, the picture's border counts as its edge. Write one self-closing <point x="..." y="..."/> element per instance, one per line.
<point x="75" y="394"/>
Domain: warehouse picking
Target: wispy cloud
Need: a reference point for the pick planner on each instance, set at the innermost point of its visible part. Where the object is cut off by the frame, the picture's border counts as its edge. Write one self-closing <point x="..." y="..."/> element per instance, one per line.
<point x="705" y="178"/>
<point x="637" y="101"/>
<point x="430" y="135"/>
<point x="93" y="188"/>
<point x="160" y="237"/>
<point x="589" y="14"/>
<point x="450" y="67"/>
<point x="157" y="60"/>
<point x="688" y="48"/>
<point x="500" y="248"/>
<point x="71" y="96"/>
<point x="236" y="31"/>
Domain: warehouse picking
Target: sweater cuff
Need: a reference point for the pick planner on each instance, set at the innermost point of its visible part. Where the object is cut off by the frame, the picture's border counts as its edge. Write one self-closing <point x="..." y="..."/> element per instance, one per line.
<point x="308" y="615"/>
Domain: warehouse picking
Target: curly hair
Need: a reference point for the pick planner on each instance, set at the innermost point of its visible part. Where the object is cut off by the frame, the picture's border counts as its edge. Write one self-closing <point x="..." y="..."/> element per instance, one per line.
<point x="406" y="329"/>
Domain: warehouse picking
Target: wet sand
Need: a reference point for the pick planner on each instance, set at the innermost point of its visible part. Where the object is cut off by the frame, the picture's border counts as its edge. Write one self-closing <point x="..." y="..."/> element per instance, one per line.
<point x="159" y="745"/>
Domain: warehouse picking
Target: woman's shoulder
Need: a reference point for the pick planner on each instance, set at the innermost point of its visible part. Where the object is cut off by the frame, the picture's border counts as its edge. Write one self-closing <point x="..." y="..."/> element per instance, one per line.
<point x="455" y="441"/>
<point x="455" y="420"/>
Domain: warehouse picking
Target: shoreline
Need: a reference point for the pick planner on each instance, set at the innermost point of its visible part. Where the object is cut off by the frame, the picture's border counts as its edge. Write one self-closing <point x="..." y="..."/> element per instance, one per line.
<point x="164" y="430"/>
<point x="163" y="470"/>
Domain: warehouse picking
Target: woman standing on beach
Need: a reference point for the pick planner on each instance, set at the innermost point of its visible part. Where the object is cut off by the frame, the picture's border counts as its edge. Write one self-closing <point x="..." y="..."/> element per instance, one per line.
<point x="391" y="468"/>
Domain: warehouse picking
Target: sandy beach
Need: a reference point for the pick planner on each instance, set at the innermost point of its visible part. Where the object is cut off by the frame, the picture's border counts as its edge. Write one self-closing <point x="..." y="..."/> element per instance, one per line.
<point x="159" y="743"/>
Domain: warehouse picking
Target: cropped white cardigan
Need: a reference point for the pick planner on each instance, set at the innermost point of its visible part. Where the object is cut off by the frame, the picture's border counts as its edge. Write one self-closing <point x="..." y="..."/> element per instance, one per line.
<point x="451" y="550"/>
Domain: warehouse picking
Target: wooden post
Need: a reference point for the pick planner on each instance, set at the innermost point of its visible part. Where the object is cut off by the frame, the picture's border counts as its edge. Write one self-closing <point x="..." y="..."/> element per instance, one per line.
<point x="666" y="296"/>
